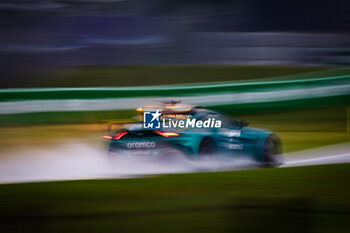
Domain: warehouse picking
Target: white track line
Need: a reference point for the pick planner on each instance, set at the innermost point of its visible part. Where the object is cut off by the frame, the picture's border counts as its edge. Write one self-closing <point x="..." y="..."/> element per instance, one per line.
<point x="318" y="159"/>
<point x="124" y="103"/>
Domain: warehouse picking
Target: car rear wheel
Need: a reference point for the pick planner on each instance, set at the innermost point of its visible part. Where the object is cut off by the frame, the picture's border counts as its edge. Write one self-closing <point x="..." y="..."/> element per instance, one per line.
<point x="171" y="156"/>
<point x="113" y="156"/>
<point x="273" y="152"/>
<point x="207" y="148"/>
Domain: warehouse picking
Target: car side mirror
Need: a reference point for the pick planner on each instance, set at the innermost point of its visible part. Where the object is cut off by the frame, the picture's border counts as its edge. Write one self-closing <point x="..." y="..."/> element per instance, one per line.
<point x="243" y="123"/>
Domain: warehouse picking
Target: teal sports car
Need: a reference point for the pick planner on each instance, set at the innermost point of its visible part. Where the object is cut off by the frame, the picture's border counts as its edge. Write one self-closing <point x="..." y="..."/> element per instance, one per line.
<point x="231" y="138"/>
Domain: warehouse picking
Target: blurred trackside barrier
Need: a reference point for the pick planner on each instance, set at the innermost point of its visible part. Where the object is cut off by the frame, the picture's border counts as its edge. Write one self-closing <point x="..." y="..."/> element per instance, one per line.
<point x="241" y="96"/>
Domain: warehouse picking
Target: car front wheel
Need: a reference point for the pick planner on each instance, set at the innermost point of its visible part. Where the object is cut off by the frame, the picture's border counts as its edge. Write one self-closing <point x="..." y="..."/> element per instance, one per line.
<point x="207" y="148"/>
<point x="273" y="152"/>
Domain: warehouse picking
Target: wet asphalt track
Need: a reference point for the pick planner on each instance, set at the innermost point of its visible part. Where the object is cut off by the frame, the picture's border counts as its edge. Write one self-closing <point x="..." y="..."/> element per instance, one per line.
<point x="80" y="161"/>
<point x="339" y="153"/>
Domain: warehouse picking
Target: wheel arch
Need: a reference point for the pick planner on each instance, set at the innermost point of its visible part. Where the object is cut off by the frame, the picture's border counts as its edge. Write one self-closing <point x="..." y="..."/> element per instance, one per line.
<point x="205" y="137"/>
<point x="260" y="146"/>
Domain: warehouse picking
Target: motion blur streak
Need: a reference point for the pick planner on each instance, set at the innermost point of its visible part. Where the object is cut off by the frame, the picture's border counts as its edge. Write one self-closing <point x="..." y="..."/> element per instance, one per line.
<point x="332" y="154"/>
<point x="173" y="86"/>
<point x="329" y="158"/>
<point x="29" y="106"/>
<point x="81" y="161"/>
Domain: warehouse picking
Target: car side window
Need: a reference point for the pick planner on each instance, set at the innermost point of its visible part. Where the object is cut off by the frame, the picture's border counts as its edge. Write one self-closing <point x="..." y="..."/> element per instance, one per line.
<point x="226" y="121"/>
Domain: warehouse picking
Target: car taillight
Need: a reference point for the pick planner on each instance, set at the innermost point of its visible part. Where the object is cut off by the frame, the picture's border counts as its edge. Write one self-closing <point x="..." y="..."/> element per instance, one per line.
<point x="106" y="137"/>
<point x="119" y="135"/>
<point x="167" y="134"/>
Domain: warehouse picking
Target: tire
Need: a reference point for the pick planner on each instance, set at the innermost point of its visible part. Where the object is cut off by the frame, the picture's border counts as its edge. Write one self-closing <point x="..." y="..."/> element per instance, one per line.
<point x="272" y="152"/>
<point x="171" y="156"/>
<point x="207" y="148"/>
<point x="114" y="157"/>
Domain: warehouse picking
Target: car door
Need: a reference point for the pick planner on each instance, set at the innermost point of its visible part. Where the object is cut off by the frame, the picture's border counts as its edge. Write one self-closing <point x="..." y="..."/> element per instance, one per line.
<point x="233" y="138"/>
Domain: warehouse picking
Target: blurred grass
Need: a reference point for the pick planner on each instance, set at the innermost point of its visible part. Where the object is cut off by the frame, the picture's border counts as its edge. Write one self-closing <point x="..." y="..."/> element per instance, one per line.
<point x="48" y="135"/>
<point x="92" y="76"/>
<point x="331" y="119"/>
<point x="41" y="118"/>
<point x="301" y="199"/>
<point x="294" y="141"/>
